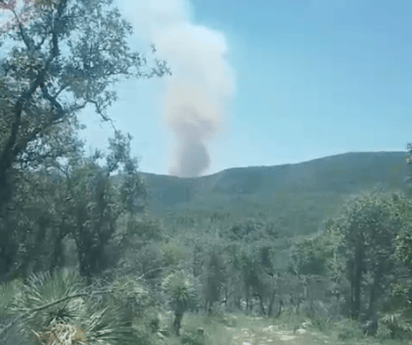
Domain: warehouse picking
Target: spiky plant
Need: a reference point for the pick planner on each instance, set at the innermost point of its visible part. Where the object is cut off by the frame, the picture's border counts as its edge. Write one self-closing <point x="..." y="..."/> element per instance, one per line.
<point x="57" y="311"/>
<point x="396" y="324"/>
<point x="180" y="288"/>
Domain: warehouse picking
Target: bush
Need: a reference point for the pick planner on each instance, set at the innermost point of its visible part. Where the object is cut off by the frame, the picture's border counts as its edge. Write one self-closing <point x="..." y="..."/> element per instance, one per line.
<point x="349" y="329"/>
<point x="319" y="322"/>
<point x="194" y="337"/>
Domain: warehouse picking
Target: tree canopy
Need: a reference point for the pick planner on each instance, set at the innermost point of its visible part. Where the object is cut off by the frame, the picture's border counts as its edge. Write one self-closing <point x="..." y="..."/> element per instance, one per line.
<point x="68" y="56"/>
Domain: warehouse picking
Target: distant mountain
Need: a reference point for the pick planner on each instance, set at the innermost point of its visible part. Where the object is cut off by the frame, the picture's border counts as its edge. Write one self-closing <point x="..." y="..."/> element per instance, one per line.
<point x="344" y="173"/>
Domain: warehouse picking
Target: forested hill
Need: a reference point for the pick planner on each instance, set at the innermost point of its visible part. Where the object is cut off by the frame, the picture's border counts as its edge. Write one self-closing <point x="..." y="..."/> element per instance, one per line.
<point x="342" y="174"/>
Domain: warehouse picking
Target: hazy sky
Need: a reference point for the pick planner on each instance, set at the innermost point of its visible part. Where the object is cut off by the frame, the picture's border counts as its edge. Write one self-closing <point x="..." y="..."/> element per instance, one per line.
<point x="270" y="82"/>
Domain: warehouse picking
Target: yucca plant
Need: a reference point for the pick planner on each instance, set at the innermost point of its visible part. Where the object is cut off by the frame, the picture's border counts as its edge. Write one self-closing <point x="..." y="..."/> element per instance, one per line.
<point x="396" y="318"/>
<point x="180" y="288"/>
<point x="58" y="311"/>
<point x="396" y="324"/>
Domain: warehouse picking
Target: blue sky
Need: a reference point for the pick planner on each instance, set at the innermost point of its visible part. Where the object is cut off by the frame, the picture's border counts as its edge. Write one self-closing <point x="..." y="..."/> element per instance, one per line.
<point x="311" y="79"/>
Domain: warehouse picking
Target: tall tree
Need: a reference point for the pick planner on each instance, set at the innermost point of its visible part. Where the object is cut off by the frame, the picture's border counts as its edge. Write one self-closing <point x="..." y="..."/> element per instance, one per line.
<point x="36" y="213"/>
<point x="214" y="276"/>
<point x="41" y="76"/>
<point x="69" y="55"/>
<point x="369" y="227"/>
<point x="94" y="202"/>
<point x="408" y="178"/>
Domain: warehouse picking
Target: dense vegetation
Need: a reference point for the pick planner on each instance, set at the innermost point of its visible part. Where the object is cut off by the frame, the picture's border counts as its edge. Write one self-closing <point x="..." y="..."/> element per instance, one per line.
<point x="90" y="253"/>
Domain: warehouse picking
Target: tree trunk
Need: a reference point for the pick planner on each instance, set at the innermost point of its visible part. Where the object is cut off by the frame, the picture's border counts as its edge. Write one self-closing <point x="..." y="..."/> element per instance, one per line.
<point x="298" y="301"/>
<point x="238" y="304"/>
<point x="210" y="307"/>
<point x="57" y="255"/>
<point x="177" y="323"/>
<point x="83" y="255"/>
<point x="195" y="261"/>
<point x="356" y="283"/>
<point x="11" y="147"/>
<point x="280" y="308"/>
<point x="8" y="250"/>
<point x="272" y="300"/>
<point x="262" y="307"/>
<point x="292" y="302"/>
<point x="373" y="299"/>
<point x="311" y="308"/>
<point x="83" y="244"/>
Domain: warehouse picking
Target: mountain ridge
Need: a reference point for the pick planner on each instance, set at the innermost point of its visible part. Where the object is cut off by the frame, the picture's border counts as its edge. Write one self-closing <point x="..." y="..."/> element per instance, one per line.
<point x="286" y="164"/>
<point x="342" y="173"/>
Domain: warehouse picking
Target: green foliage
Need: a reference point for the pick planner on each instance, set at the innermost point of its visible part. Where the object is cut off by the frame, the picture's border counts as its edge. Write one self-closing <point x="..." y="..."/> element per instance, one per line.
<point x="251" y="230"/>
<point x="173" y="253"/>
<point x="396" y="325"/>
<point x="368" y="225"/>
<point x="42" y="290"/>
<point x="37" y="127"/>
<point x="349" y="330"/>
<point x="128" y="289"/>
<point x="139" y="230"/>
<point x="408" y="179"/>
<point x="36" y="209"/>
<point x="194" y="337"/>
<point x="60" y="307"/>
<point x="50" y="306"/>
<point x="138" y="238"/>
<point x="316" y="254"/>
<point x="139" y="309"/>
<point x="404" y="244"/>
<point x="214" y="276"/>
<point x="91" y="202"/>
<point x="180" y="288"/>
<point x="396" y="317"/>
<point x="10" y="293"/>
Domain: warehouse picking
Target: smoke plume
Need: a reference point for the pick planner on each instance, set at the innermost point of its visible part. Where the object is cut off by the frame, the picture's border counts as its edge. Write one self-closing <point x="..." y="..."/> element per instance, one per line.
<point x="201" y="84"/>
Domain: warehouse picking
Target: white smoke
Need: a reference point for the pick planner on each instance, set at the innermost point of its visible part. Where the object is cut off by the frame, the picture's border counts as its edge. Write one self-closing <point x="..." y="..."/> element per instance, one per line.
<point x="202" y="80"/>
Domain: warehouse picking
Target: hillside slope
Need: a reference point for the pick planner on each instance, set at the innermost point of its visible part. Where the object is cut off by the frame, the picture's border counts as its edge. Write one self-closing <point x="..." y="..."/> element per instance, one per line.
<point x="342" y="174"/>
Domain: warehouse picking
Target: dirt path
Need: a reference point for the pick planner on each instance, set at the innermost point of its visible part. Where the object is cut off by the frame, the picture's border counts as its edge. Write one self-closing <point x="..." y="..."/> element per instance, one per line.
<point x="255" y="331"/>
<point x="272" y="335"/>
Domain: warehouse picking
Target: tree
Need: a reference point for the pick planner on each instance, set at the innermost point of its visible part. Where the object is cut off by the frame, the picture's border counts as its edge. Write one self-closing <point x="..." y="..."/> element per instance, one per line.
<point x="68" y="56"/>
<point x="234" y="281"/>
<point x="250" y="268"/>
<point x="40" y="78"/>
<point x="368" y="226"/>
<point x="408" y="179"/>
<point x="256" y="282"/>
<point x="93" y="203"/>
<point x="317" y="255"/>
<point x="137" y="239"/>
<point x="24" y="16"/>
<point x="214" y="277"/>
<point x="404" y="245"/>
<point x="76" y="199"/>
<point x="310" y="255"/>
<point x="36" y="210"/>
